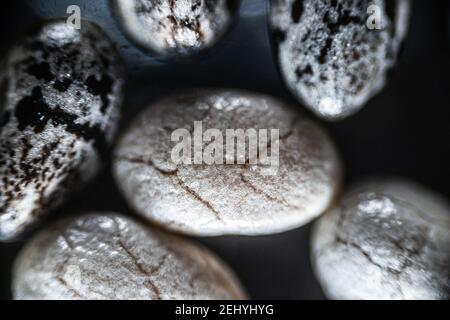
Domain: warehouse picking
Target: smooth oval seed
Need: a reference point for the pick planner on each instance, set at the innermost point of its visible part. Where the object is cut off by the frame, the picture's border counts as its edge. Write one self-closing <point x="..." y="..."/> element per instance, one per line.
<point x="175" y="28"/>
<point x="334" y="55"/>
<point x="60" y="95"/>
<point x="388" y="239"/>
<point x="108" y="256"/>
<point x="248" y="197"/>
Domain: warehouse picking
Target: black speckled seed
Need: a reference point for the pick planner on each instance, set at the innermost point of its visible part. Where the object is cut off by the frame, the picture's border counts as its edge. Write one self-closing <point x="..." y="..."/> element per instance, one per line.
<point x="328" y="56"/>
<point x="60" y="95"/>
<point x="175" y="28"/>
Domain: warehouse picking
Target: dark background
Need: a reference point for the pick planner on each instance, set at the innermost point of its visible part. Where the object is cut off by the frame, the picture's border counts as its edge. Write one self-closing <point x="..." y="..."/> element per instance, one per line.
<point x="403" y="131"/>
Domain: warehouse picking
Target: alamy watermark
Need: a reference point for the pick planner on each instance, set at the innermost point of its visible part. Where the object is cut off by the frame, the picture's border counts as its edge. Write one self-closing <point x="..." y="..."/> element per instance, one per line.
<point x="257" y="147"/>
<point x="74" y="18"/>
<point x="375" y="17"/>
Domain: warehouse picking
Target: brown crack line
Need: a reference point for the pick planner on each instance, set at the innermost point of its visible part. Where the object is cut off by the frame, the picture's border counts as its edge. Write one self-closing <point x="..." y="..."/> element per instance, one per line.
<point x="367" y="255"/>
<point x="264" y="194"/>
<point x="416" y="251"/>
<point x="147" y="163"/>
<point x="68" y="287"/>
<point x="60" y="268"/>
<point x="60" y="279"/>
<point x="180" y="182"/>
<point x="197" y="197"/>
<point x="341" y="240"/>
<point x="149" y="284"/>
<point x="392" y="271"/>
<point x="396" y="272"/>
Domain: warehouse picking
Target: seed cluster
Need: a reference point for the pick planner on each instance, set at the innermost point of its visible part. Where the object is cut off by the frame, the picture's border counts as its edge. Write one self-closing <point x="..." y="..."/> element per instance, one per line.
<point x="61" y="90"/>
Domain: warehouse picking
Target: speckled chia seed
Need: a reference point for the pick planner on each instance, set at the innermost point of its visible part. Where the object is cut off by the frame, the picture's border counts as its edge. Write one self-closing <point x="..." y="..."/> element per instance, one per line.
<point x="60" y="95"/>
<point x="328" y="56"/>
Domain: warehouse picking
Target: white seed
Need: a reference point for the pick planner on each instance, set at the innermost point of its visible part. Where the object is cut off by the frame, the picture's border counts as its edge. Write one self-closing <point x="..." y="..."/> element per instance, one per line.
<point x="175" y="27"/>
<point x="109" y="256"/>
<point x="388" y="239"/>
<point x="250" y="198"/>
<point x="60" y="93"/>
<point x="334" y="55"/>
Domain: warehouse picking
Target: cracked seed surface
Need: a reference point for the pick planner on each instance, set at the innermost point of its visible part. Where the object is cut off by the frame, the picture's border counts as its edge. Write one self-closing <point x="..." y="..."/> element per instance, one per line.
<point x="175" y="27"/>
<point x="327" y="55"/>
<point x="388" y="239"/>
<point x="60" y="93"/>
<point x="222" y="199"/>
<point x="109" y="256"/>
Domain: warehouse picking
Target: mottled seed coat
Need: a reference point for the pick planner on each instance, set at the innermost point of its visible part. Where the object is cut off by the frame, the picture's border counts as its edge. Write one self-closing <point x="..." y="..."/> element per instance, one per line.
<point x="334" y="55"/>
<point x="175" y="27"/>
<point x="60" y="93"/>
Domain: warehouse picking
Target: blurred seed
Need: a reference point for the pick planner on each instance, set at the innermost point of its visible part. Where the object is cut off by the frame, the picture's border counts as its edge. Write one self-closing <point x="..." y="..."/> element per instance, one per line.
<point x="108" y="256"/>
<point x="388" y="239"/>
<point x="334" y="55"/>
<point x="175" y="28"/>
